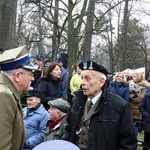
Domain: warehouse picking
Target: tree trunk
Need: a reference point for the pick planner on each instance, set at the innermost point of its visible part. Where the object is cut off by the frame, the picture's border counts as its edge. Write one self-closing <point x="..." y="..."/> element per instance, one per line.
<point x="8" y="23"/>
<point x="125" y="42"/>
<point x="88" y="31"/>
<point x="55" y="32"/>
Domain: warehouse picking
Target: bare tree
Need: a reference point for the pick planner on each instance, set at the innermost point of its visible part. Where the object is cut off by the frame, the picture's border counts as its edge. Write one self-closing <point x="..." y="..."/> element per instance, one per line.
<point x="8" y="23"/>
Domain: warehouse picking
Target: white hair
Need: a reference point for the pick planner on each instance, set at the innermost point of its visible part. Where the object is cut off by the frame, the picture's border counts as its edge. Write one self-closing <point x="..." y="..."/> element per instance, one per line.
<point x="101" y="75"/>
<point x="61" y="113"/>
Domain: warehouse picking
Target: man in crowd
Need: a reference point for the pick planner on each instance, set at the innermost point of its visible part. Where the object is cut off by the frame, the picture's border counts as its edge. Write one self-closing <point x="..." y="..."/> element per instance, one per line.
<point x="35" y="118"/>
<point x="64" y="76"/>
<point x="99" y="120"/>
<point x="16" y="76"/>
<point x="56" y="125"/>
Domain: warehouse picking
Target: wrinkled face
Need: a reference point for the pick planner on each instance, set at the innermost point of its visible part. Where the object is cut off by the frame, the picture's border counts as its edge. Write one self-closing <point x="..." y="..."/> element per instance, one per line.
<point x="32" y="102"/>
<point x="23" y="78"/>
<point x="56" y="72"/>
<point x="91" y="83"/>
<point x="119" y="78"/>
<point x="54" y="115"/>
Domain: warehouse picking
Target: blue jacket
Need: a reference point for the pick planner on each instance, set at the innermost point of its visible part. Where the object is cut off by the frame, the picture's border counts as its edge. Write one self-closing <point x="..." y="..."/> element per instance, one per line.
<point x="35" y="125"/>
<point x="120" y="89"/>
<point x="64" y="77"/>
<point x="144" y="108"/>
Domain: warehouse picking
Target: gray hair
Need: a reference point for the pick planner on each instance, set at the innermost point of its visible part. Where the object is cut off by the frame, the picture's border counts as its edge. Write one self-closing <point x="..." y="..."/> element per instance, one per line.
<point x="9" y="72"/>
<point x="101" y="75"/>
<point x="61" y="113"/>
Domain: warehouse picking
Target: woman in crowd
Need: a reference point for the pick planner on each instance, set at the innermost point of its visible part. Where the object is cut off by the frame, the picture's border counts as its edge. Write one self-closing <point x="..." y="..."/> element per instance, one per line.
<point x="138" y="87"/>
<point x="119" y="86"/>
<point x="50" y="84"/>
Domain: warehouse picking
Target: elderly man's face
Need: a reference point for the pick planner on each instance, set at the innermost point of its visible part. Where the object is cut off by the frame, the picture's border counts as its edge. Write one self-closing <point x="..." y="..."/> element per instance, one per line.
<point x="54" y="114"/>
<point x="23" y="78"/>
<point x="32" y="102"/>
<point x="91" y="83"/>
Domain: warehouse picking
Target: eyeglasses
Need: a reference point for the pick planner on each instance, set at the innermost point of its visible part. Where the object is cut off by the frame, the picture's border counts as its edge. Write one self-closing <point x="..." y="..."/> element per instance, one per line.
<point x="31" y="75"/>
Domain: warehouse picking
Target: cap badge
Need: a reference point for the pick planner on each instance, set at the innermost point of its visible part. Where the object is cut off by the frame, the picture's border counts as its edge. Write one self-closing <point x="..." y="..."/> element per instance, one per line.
<point x="91" y="66"/>
<point x="84" y="65"/>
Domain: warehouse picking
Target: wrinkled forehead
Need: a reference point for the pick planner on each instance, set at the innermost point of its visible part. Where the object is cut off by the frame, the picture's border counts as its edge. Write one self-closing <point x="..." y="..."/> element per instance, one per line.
<point x="88" y="73"/>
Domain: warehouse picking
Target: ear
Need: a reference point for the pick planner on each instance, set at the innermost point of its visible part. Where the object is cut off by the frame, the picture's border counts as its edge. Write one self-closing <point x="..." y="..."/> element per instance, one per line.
<point x="16" y="76"/>
<point x="101" y="82"/>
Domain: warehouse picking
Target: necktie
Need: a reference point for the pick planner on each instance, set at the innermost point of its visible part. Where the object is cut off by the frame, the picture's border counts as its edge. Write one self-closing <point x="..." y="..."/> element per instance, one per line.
<point x="89" y="104"/>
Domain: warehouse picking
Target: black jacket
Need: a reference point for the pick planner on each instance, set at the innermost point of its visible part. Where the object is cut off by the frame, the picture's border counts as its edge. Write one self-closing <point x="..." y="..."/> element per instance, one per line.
<point x="111" y="127"/>
<point x="50" y="88"/>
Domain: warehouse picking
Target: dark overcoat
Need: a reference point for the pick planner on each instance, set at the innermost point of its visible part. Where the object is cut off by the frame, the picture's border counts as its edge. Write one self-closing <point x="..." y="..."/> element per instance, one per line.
<point x="111" y="126"/>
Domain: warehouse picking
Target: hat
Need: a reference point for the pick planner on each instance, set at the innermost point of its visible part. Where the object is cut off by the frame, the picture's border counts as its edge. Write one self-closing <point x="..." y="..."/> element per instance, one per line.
<point x="62" y="105"/>
<point x="56" y="145"/>
<point x="35" y="93"/>
<point x="60" y="60"/>
<point x="39" y="57"/>
<point x="91" y="65"/>
<point x="16" y="58"/>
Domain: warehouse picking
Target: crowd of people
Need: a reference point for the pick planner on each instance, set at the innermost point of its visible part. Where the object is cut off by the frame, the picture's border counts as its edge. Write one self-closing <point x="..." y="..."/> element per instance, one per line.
<point x="100" y="115"/>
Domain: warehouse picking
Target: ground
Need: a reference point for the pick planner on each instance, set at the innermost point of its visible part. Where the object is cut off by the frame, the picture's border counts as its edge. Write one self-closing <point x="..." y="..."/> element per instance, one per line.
<point x="140" y="137"/>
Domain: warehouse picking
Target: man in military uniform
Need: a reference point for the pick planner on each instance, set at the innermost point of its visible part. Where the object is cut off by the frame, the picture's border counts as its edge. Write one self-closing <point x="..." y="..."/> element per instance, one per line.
<point x="106" y="124"/>
<point x="15" y="77"/>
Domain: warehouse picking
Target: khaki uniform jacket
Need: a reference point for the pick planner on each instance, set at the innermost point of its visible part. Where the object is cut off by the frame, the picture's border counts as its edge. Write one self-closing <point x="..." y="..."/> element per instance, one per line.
<point x="11" y="119"/>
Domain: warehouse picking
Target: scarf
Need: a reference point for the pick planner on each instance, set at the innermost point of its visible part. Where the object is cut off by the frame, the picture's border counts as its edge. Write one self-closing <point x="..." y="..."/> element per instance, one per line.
<point x="52" y="124"/>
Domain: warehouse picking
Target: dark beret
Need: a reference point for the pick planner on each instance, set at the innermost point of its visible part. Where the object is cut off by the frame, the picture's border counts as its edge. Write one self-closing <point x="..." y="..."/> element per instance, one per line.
<point x="62" y="105"/>
<point x="34" y="92"/>
<point x="91" y="65"/>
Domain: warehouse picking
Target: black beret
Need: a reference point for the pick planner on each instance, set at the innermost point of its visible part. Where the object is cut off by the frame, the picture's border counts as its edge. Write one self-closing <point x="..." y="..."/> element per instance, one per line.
<point x="34" y="92"/>
<point x="91" y="65"/>
<point x="62" y="105"/>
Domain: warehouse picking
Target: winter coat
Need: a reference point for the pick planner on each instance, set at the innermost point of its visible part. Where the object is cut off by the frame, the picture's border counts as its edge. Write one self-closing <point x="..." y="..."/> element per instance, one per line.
<point x="35" y="125"/>
<point x="110" y="127"/>
<point x="57" y="132"/>
<point x="11" y="120"/>
<point x="121" y="89"/>
<point x="50" y="88"/>
<point x="65" y="75"/>
<point x="144" y="108"/>
<point x="75" y="83"/>
<point x="137" y="92"/>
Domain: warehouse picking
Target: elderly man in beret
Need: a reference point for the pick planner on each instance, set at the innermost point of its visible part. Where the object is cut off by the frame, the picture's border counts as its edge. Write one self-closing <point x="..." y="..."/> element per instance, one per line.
<point x="35" y="118"/>
<point x="56" y="125"/>
<point x="16" y="77"/>
<point x="99" y="120"/>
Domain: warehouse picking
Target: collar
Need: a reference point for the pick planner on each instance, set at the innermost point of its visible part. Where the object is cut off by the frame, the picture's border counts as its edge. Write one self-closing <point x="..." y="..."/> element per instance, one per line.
<point x="95" y="99"/>
<point x="9" y="86"/>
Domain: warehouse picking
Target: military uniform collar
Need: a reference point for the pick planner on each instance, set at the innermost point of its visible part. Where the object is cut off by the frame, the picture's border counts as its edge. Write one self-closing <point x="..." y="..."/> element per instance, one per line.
<point x="9" y="85"/>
